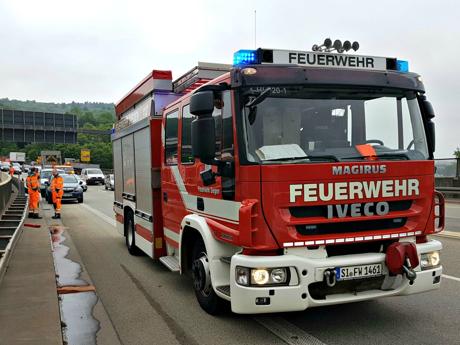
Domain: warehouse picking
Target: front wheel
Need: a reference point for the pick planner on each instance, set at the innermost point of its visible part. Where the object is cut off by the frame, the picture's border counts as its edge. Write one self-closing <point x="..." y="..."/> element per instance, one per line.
<point x="207" y="298"/>
<point x="80" y="200"/>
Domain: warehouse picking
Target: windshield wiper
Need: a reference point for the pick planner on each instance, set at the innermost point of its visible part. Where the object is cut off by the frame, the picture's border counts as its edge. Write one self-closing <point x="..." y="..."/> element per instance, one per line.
<point x="252" y="105"/>
<point x="328" y="158"/>
<point x="324" y="157"/>
<point x="259" y="99"/>
<point x="397" y="155"/>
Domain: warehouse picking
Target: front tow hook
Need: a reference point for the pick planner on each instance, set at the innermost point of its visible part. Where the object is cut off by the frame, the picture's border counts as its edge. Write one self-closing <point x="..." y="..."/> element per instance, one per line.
<point x="329" y="277"/>
<point x="409" y="272"/>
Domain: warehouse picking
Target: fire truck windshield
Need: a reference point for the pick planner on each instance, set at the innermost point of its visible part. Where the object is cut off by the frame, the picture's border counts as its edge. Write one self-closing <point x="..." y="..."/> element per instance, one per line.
<point x="300" y="124"/>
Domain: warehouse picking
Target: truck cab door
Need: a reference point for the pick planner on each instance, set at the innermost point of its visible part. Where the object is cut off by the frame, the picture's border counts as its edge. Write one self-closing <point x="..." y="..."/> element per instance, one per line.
<point x="173" y="206"/>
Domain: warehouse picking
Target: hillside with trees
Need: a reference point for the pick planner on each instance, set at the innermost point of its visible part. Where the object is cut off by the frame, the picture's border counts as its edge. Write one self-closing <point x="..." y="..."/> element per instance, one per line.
<point x="90" y="115"/>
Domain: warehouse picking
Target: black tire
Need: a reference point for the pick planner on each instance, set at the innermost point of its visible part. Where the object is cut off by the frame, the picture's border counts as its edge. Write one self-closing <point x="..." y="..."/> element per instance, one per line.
<point x="49" y="200"/>
<point x="80" y="200"/>
<point x="130" y="239"/>
<point x="206" y="296"/>
<point x="105" y="186"/>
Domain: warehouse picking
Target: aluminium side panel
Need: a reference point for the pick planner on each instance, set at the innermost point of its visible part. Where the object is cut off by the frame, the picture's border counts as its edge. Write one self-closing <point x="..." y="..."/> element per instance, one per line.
<point x="129" y="179"/>
<point x="118" y="169"/>
<point x="143" y="170"/>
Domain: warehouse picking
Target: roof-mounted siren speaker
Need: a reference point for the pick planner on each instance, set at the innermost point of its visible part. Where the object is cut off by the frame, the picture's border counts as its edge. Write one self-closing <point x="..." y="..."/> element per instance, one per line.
<point x="338" y="46"/>
<point x="327" y="44"/>
<point x="355" y="46"/>
<point x="346" y="45"/>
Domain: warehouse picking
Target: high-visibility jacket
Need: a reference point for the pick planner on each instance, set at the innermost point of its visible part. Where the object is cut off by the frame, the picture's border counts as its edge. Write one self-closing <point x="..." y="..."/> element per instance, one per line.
<point x="11" y="171"/>
<point x="57" y="184"/>
<point x="32" y="183"/>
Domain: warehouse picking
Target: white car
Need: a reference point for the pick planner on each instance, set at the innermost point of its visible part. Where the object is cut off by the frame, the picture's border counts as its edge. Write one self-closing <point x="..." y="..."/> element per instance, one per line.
<point x="45" y="175"/>
<point x="82" y="183"/>
<point x="92" y="176"/>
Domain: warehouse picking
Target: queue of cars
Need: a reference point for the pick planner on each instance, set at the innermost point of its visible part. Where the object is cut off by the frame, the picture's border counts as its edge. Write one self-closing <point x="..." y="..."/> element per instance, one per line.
<point x="72" y="188"/>
<point x="74" y="185"/>
<point x="5" y="167"/>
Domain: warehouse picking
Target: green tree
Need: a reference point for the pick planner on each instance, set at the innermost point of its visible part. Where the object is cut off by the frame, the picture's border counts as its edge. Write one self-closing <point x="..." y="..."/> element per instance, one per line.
<point x="6" y="148"/>
<point x="457" y="152"/>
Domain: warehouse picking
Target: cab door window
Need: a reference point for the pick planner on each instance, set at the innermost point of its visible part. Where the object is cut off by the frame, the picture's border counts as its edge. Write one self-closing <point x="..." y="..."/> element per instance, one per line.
<point x="186" y="138"/>
<point x="171" y="136"/>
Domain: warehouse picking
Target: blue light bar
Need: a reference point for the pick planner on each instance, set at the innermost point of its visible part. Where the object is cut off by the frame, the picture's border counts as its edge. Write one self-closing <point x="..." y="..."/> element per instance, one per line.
<point x="245" y="57"/>
<point x="402" y="66"/>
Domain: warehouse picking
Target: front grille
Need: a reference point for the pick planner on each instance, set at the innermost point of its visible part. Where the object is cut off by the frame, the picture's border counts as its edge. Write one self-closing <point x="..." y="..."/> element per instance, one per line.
<point x="320" y="290"/>
<point x="321" y="210"/>
<point x="353" y="226"/>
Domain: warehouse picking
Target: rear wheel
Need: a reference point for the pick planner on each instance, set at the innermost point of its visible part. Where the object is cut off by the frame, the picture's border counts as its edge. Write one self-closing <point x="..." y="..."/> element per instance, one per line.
<point x="130" y="238"/>
<point x="207" y="298"/>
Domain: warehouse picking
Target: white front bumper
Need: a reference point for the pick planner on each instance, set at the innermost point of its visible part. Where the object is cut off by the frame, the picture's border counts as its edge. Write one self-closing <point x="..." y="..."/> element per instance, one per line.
<point x="296" y="298"/>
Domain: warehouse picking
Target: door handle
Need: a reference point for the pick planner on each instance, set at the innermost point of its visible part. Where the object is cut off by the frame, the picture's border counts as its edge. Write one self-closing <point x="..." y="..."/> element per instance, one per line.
<point x="200" y="204"/>
<point x="165" y="197"/>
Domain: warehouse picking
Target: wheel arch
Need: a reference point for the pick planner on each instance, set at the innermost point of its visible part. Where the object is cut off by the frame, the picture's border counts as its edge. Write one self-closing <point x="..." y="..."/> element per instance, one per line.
<point x="195" y="227"/>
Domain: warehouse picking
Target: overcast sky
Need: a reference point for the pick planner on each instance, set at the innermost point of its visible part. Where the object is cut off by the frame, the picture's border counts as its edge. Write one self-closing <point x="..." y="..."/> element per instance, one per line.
<point x="62" y="51"/>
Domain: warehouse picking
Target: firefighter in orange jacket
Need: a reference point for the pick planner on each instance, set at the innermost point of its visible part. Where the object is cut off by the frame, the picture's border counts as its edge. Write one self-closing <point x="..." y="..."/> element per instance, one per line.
<point x="33" y="189"/>
<point x="57" y="190"/>
<point x="11" y="170"/>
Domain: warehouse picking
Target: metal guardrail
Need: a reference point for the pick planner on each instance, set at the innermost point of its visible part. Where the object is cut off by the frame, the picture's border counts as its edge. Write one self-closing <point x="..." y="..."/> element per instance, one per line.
<point x="11" y="221"/>
<point x="448" y="190"/>
<point x="447" y="167"/>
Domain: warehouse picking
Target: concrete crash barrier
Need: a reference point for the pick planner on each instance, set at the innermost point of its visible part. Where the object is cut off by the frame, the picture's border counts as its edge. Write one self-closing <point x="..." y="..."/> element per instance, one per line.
<point x="13" y="210"/>
<point x="5" y="190"/>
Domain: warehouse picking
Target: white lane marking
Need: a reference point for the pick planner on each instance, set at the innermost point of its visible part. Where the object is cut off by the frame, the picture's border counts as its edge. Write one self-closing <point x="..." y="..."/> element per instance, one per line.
<point x="450" y="234"/>
<point x="451" y="277"/>
<point x="288" y="332"/>
<point x="100" y="215"/>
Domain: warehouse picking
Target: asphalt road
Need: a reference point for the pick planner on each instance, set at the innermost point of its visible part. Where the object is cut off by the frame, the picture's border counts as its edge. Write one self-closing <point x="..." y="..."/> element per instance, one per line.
<point x="453" y="217"/>
<point x="147" y="304"/>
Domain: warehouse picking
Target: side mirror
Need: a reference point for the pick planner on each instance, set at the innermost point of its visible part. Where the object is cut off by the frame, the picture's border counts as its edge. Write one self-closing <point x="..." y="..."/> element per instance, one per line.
<point x="202" y="103"/>
<point x="204" y="139"/>
<point x="47" y="183"/>
<point x="430" y="127"/>
<point x="429" y="111"/>
<point x="432" y="135"/>
<point x="80" y="182"/>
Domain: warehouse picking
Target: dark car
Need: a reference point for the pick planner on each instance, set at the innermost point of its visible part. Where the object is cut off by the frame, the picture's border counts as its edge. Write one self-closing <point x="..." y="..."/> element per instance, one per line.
<point x="72" y="189"/>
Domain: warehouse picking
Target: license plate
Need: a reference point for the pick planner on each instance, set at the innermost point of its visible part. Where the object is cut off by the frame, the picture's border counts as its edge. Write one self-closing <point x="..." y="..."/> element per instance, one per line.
<point x="356" y="272"/>
<point x="67" y="194"/>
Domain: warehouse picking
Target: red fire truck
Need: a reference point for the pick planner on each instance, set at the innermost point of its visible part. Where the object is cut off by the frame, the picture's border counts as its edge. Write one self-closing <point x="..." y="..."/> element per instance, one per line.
<point x="288" y="180"/>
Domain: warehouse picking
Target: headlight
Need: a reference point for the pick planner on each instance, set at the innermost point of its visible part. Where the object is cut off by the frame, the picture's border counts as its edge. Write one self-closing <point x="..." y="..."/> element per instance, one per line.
<point x="261" y="276"/>
<point x="242" y="275"/>
<point x="430" y="260"/>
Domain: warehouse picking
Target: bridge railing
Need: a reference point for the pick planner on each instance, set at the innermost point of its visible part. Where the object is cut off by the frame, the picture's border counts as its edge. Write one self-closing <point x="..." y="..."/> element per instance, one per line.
<point x="447" y="177"/>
